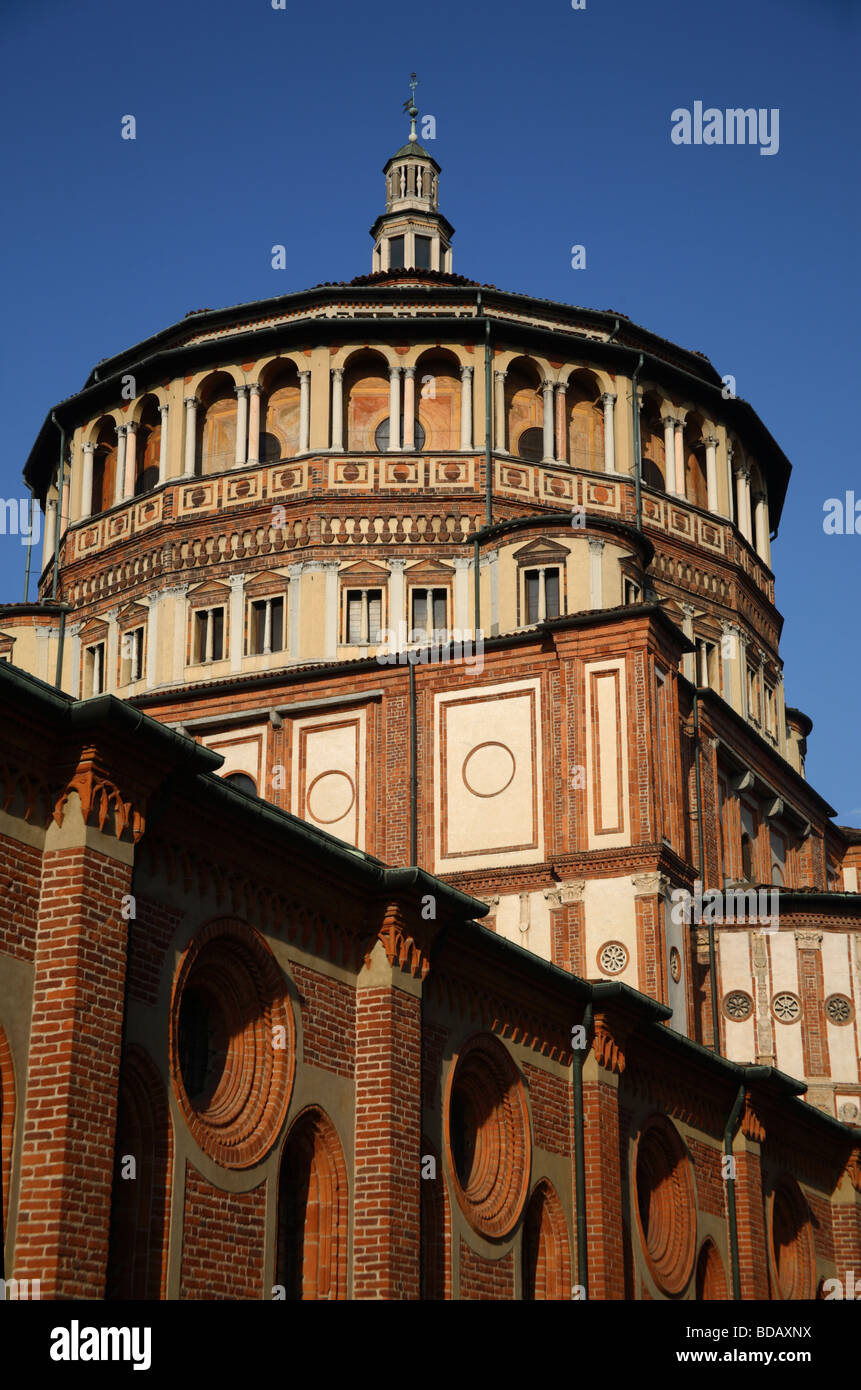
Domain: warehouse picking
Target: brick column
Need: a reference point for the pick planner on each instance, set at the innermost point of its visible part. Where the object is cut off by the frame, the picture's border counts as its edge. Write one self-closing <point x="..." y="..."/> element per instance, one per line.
<point x="651" y="946"/>
<point x="749" y="1206"/>
<point x="811" y="987"/>
<point x="568" y="926"/>
<point x="604" y="1178"/>
<point x="78" y="1005"/>
<point x="846" y="1215"/>
<point x="387" y="1187"/>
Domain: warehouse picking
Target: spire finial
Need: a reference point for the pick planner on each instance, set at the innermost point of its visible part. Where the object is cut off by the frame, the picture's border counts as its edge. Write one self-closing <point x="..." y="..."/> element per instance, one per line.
<point x="411" y="108"/>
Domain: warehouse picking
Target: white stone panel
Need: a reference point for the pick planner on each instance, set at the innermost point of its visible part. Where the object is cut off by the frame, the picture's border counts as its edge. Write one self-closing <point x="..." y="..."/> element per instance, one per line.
<point x="488" y="777"/>
<point x="525" y="919"/>
<point x="736" y="973"/>
<point x="243" y="751"/>
<point x="608" y="822"/>
<point x="674" y="937"/>
<point x="610" y="916"/>
<point x="328" y="773"/>
<point x="788" y="1037"/>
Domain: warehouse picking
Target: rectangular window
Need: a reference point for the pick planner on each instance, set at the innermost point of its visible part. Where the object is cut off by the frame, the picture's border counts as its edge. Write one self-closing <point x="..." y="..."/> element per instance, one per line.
<point x="422" y="629"/>
<point x="208" y="635"/>
<point x="396" y="252"/>
<point x="778" y="858"/>
<point x="724" y="810"/>
<point x="542" y="594"/>
<point x="707" y="668"/>
<point x="131" y="654"/>
<point x="265" y="626"/>
<point x="752" y="695"/>
<point x="94" y="669"/>
<point x="770" y="712"/>
<point x="632" y="591"/>
<point x="423" y="253"/>
<point x="364" y="616"/>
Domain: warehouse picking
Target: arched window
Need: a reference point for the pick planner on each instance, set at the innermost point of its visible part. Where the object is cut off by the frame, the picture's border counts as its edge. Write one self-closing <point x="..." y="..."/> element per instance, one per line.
<point x="366" y="399"/>
<point x="216" y="424"/>
<point x="524" y="411"/>
<point x="437" y="402"/>
<point x="311" y="1258"/>
<point x="696" y="486"/>
<point x="148" y="447"/>
<point x="381" y="435"/>
<point x="710" y="1279"/>
<point x="104" y="466"/>
<point x="652" y="447"/>
<point x="545" y="1256"/>
<point x="585" y="422"/>
<point x="137" y="1259"/>
<point x="279" y="415"/>
<point x="241" y="782"/>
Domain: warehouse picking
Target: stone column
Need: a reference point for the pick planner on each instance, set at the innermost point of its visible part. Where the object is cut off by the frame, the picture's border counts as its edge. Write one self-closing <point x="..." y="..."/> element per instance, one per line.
<point x="152" y="643"/>
<point x="680" y="458"/>
<point x="547" y="422"/>
<point x="394" y="409"/>
<point x="596" y="580"/>
<point x="608" y="400"/>
<point x="119" y="480"/>
<point x="294" y="603"/>
<point x="164" y="411"/>
<point x="462" y="567"/>
<point x="131" y="455"/>
<point x="499" y="439"/>
<point x="669" y="453"/>
<point x="331" y="568"/>
<point x="254" y="423"/>
<point x="409" y="408"/>
<point x="338" y="409"/>
<point x="561" y="431"/>
<point x="87" y="482"/>
<point x="180" y="629"/>
<point x="492" y="558"/>
<point x="304" y="411"/>
<point x="50" y="532"/>
<point x="64" y="504"/>
<point x="237" y="624"/>
<point x="763" y="548"/>
<point x="241" y="426"/>
<point x="466" y="407"/>
<point x="742" y="500"/>
<point x="688" y="662"/>
<point x="711" y="472"/>
<point x="397" y="603"/>
<point x="191" y="404"/>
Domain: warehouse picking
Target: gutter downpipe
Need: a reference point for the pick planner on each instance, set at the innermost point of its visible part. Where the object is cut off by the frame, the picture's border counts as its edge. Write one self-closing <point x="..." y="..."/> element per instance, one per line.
<point x="413" y="777"/>
<point x="710" y="926"/>
<point x="29" y="547"/>
<point x="61" y="640"/>
<point x="638" y="463"/>
<point x="728" y="1136"/>
<point x="579" y="1061"/>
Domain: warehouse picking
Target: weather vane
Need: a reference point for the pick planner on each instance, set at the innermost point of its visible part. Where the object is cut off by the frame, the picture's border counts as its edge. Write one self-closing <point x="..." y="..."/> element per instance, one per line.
<point x="410" y="106"/>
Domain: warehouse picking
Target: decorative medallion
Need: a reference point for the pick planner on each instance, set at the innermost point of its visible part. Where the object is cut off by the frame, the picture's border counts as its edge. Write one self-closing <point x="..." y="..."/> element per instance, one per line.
<point x="612" y="957"/>
<point x="839" y="1008"/>
<point x="675" y="965"/>
<point x="786" y="1007"/>
<point x="738" y="1005"/>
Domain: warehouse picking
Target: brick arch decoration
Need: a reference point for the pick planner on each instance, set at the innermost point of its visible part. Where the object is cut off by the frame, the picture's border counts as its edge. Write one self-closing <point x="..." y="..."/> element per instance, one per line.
<point x="7" y="1130"/>
<point x="790" y="1238"/>
<point x="435" y="1232"/>
<point x="545" y="1253"/>
<point x="140" y="1209"/>
<point x="231" y="968"/>
<point x="665" y="1204"/>
<point x="711" y="1283"/>
<point x="487" y="1137"/>
<point x="311" y="1256"/>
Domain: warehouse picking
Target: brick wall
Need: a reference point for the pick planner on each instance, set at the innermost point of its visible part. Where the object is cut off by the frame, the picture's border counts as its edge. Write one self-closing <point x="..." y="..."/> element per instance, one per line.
<point x="485" y="1279"/>
<point x="551" y="1105"/>
<point x="150" y="934"/>
<point x="711" y="1193"/>
<point x="328" y="1021"/>
<point x="222" y="1241"/>
<point x="20" y="871"/>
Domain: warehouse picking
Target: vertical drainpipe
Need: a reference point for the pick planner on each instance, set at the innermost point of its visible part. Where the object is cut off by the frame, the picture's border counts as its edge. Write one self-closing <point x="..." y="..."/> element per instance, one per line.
<point x="638" y="463"/>
<point x="29" y="547"/>
<point x="60" y="480"/>
<point x="728" y="1136"/>
<point x="578" y="1062"/>
<point x="710" y="926"/>
<point x="413" y="777"/>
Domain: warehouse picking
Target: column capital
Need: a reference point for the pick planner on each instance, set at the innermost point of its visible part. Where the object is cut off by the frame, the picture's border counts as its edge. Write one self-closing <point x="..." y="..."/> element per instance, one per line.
<point x="547" y="384"/>
<point x="89" y="447"/>
<point x="240" y="390"/>
<point x="500" y="374"/>
<point x="255" y="388"/>
<point x="337" y="373"/>
<point x="236" y="580"/>
<point x="561" y="387"/>
<point x="122" y="430"/>
<point x="608" y="399"/>
<point x="809" y="940"/>
<point x="460" y="562"/>
<point x="164" y="407"/>
<point x="295" y="571"/>
<point x="192" y="400"/>
<point x="742" y="470"/>
<point x="711" y="440"/>
<point x="596" y="544"/>
<point x="397" y="566"/>
<point x="564" y="893"/>
<point x="409" y="372"/>
<point x="466" y="370"/>
<point x="394" y="371"/>
<point x="304" y="372"/>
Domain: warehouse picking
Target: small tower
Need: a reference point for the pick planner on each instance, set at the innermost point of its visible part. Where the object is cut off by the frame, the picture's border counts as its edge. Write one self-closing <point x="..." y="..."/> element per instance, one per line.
<point x="412" y="233"/>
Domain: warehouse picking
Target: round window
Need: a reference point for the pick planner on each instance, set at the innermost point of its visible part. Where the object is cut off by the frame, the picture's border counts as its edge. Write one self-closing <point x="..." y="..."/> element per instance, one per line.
<point x="232" y="1043"/>
<point x="487" y="1136"/>
<point x="666" y="1206"/>
<point x="381" y="435"/>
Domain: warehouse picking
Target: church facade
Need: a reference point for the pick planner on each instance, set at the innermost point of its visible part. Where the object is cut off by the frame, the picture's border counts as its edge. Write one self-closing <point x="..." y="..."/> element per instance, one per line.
<point x="412" y="881"/>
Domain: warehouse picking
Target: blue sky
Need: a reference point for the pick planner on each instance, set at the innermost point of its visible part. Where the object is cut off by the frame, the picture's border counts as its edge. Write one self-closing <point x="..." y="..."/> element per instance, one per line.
<point x="258" y="126"/>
